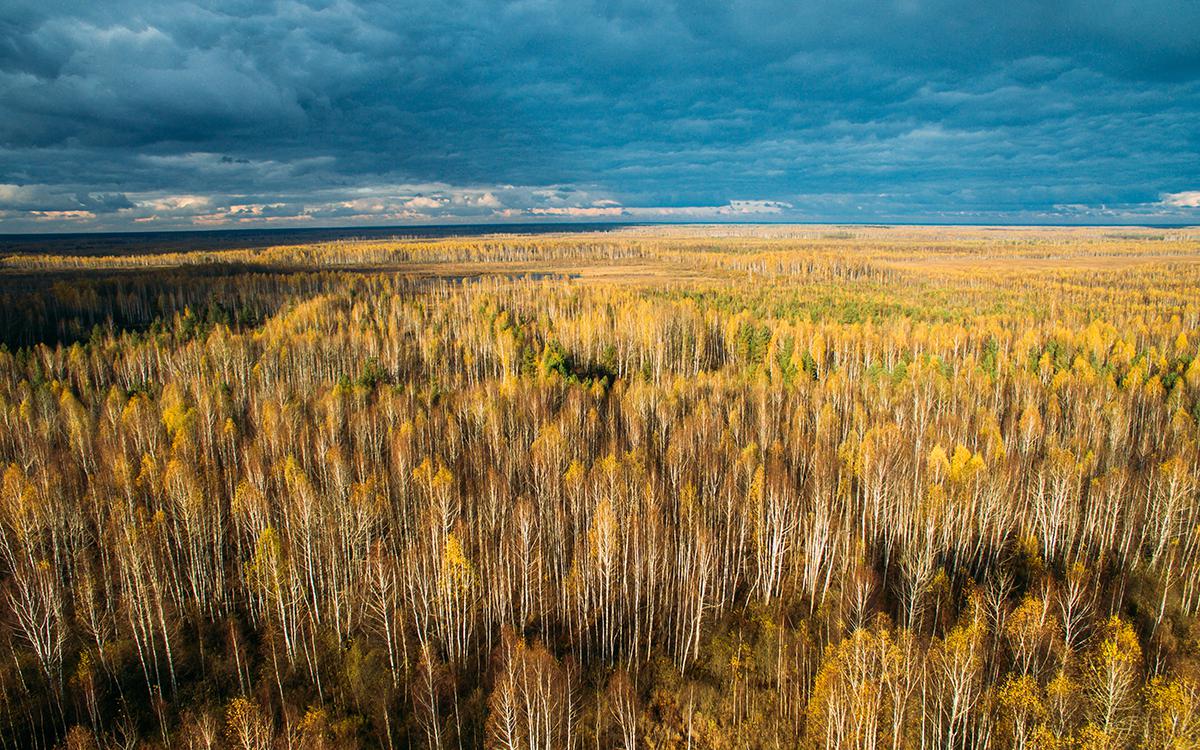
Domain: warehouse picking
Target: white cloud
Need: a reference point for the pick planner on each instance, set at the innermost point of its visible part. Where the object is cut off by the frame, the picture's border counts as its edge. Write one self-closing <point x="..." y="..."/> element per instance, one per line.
<point x="580" y="211"/>
<point x="755" y="207"/>
<point x="70" y="216"/>
<point x="608" y="208"/>
<point x="169" y="203"/>
<point x="487" y="200"/>
<point x="422" y="201"/>
<point x="1186" y="199"/>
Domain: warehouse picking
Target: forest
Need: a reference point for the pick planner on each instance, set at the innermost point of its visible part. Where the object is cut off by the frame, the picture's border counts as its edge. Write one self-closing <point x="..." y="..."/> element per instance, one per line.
<point x="872" y="488"/>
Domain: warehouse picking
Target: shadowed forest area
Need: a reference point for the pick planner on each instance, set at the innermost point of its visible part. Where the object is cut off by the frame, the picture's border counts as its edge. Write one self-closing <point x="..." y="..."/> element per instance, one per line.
<point x="655" y="487"/>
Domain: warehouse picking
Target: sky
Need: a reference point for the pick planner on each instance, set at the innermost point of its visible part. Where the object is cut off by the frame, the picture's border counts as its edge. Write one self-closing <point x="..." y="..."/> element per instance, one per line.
<point x="151" y="114"/>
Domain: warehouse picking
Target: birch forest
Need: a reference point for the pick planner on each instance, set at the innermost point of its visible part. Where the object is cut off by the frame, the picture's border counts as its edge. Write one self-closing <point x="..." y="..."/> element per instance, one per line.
<point x="668" y="488"/>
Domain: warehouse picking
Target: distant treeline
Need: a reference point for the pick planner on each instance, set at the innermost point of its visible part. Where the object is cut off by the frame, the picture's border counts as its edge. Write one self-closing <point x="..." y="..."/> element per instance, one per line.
<point x="154" y="243"/>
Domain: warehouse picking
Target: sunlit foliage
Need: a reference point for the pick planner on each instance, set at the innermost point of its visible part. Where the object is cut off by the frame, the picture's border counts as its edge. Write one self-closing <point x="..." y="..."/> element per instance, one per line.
<point x="666" y="488"/>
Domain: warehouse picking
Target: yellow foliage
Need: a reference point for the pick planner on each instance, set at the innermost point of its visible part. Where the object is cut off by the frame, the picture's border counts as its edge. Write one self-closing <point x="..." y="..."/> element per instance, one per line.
<point x="1173" y="712"/>
<point x="938" y="463"/>
<point x="458" y="575"/>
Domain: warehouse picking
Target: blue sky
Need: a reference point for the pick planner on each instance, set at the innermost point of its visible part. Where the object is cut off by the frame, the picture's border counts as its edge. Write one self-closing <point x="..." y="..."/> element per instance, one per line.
<point x="141" y="114"/>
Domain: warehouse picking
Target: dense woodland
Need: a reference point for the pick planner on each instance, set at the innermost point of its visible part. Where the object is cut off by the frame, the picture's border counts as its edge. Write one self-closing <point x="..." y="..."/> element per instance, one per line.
<point x="656" y="488"/>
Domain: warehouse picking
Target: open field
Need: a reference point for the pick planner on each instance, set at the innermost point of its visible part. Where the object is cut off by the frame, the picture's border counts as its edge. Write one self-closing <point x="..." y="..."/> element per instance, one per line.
<point x="664" y="487"/>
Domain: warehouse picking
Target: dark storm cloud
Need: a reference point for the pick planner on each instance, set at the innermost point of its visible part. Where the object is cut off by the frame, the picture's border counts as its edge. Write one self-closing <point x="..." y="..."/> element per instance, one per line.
<point x="143" y="113"/>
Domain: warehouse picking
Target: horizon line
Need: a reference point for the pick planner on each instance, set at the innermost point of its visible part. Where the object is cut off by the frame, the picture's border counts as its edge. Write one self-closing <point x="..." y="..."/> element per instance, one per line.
<point x="595" y="223"/>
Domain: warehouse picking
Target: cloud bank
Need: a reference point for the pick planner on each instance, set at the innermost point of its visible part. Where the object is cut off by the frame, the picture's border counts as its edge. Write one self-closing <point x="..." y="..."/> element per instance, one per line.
<point x="139" y="114"/>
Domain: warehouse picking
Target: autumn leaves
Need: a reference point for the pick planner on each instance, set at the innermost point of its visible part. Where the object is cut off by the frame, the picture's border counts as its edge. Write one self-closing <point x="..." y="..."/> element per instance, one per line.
<point x="829" y="500"/>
